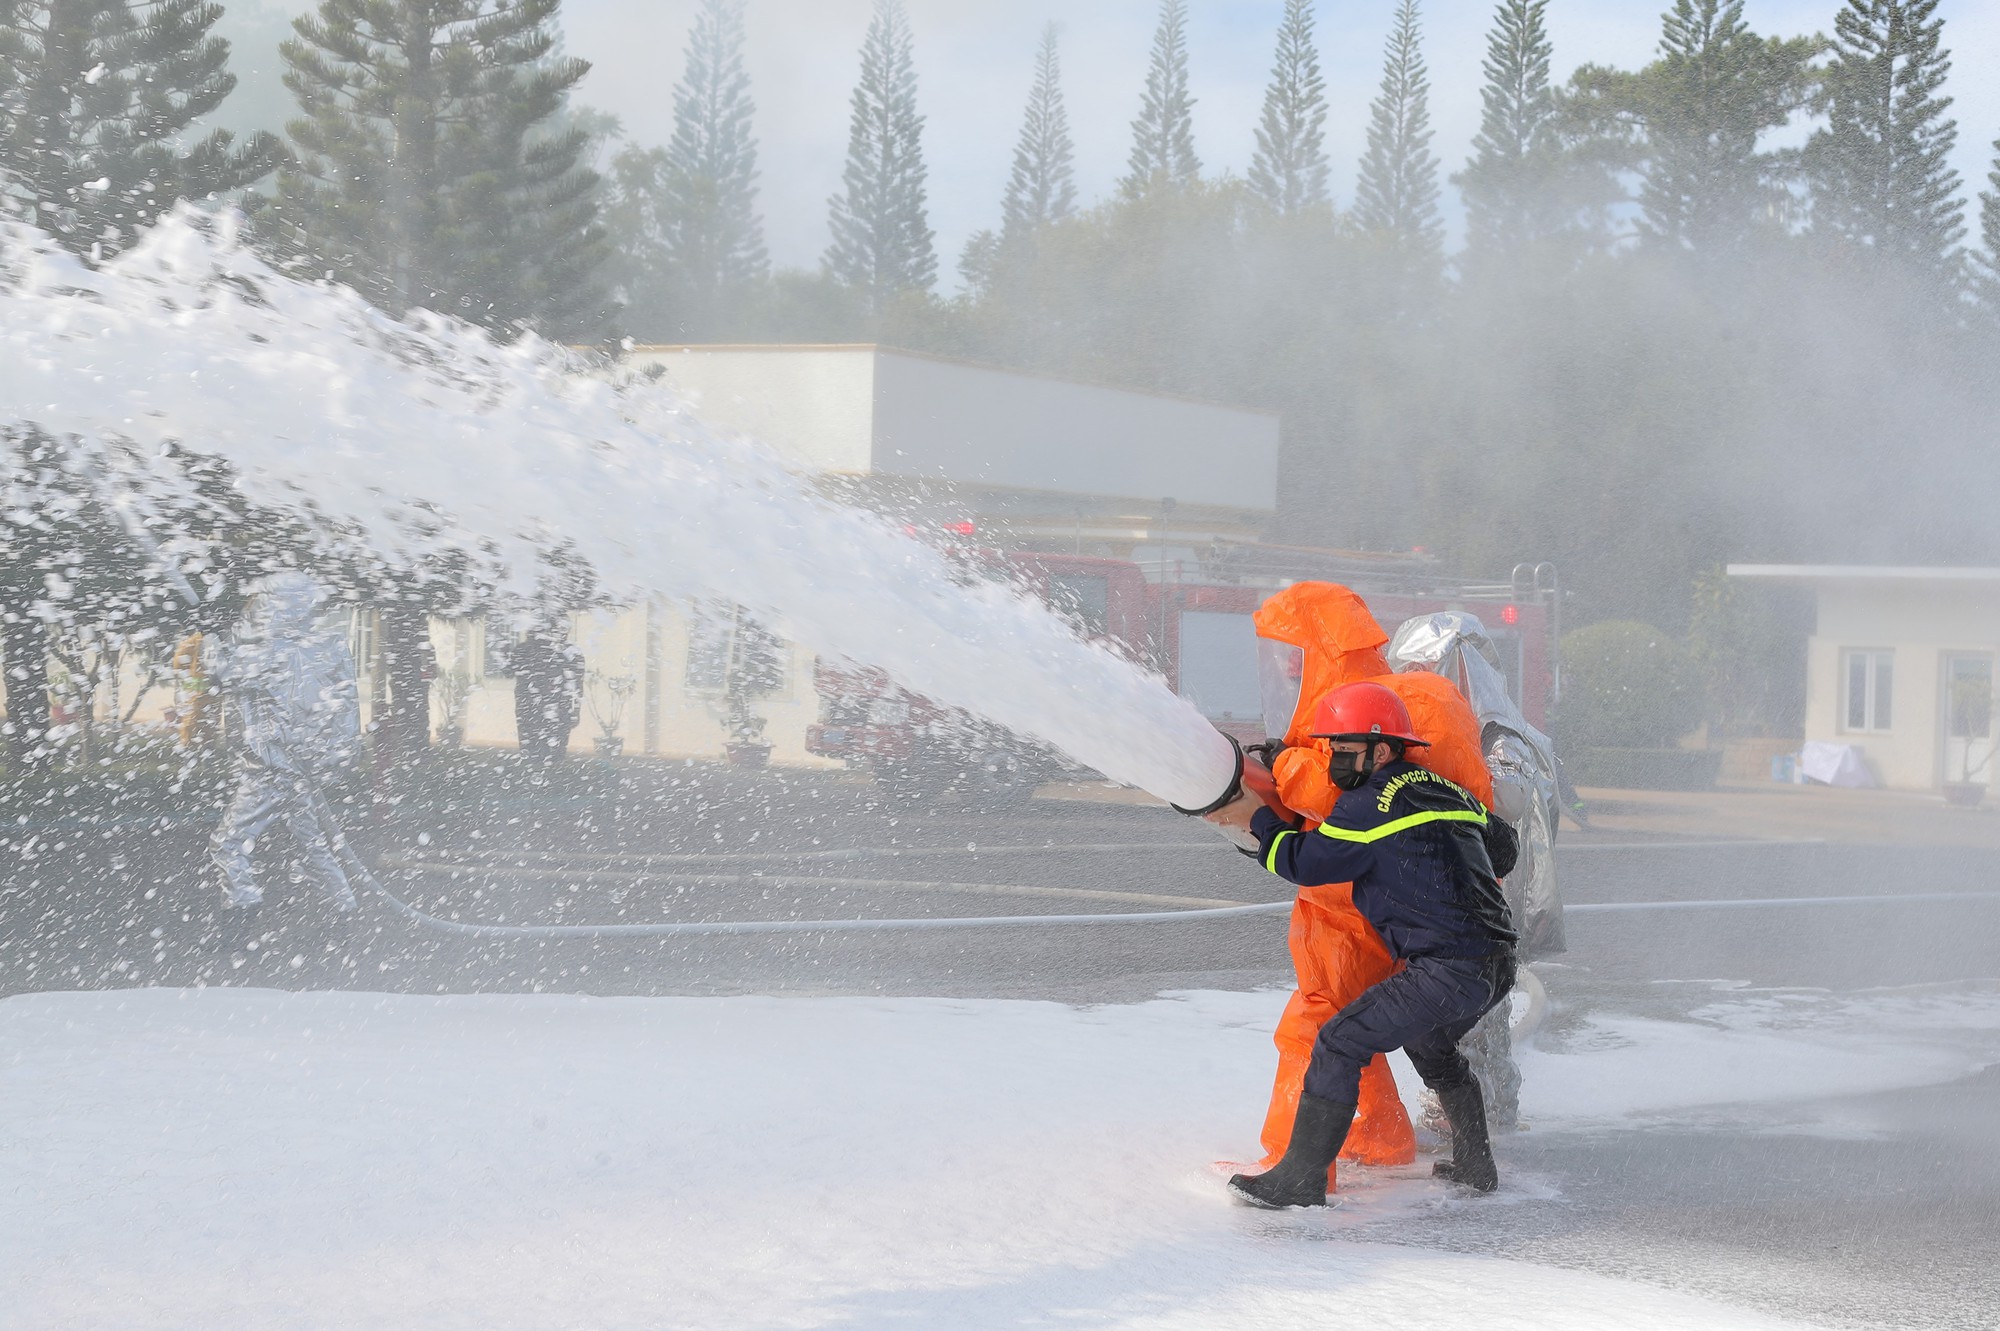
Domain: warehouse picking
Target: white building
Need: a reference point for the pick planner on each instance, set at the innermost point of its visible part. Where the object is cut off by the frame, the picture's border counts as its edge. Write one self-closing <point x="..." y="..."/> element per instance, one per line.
<point x="992" y="457"/>
<point x="1034" y="462"/>
<point x="1900" y="666"/>
<point x="978" y="455"/>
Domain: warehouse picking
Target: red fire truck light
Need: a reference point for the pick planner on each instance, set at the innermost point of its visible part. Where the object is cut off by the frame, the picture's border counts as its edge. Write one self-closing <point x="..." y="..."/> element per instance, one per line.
<point x="1510" y="614"/>
<point x="965" y="528"/>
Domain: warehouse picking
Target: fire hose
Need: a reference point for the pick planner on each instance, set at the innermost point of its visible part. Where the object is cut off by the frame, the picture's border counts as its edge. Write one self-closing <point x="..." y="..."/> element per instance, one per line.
<point x="1247" y="775"/>
<point x="358" y="871"/>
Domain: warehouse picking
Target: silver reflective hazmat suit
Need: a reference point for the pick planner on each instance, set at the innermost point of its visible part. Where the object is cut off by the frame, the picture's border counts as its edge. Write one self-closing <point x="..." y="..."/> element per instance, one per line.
<point x="290" y="685"/>
<point x="1522" y="761"/>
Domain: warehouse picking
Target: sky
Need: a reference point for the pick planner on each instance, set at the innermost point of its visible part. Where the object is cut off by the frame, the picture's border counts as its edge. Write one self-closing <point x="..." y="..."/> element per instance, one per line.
<point x="975" y="62"/>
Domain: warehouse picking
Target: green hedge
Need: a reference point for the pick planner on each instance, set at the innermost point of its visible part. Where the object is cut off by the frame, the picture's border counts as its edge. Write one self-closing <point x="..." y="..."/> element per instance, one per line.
<point x="1644" y="769"/>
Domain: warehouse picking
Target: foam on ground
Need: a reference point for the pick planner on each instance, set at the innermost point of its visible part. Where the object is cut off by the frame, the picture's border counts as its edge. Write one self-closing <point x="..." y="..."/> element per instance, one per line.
<point x="253" y="1159"/>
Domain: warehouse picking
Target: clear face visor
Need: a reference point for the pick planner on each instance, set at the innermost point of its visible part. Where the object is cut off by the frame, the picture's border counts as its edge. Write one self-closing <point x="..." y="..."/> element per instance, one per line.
<point x="1281" y="670"/>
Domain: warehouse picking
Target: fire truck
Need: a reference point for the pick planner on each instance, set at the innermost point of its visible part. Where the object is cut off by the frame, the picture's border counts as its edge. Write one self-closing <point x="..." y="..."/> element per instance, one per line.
<point x="1191" y="626"/>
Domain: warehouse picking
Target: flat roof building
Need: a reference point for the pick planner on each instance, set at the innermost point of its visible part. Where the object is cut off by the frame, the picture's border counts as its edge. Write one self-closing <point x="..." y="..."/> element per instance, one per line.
<point x="1034" y="462"/>
<point x="1901" y="666"/>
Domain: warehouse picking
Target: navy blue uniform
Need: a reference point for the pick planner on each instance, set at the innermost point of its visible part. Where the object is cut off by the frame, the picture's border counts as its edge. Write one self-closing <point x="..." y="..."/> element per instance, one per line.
<point x="1423" y="855"/>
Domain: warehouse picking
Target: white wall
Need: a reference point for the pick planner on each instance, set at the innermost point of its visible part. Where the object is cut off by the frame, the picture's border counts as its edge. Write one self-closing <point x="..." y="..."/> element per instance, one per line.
<point x="815" y="405"/>
<point x="944" y="420"/>
<point x="860" y="410"/>
<point x="644" y="644"/>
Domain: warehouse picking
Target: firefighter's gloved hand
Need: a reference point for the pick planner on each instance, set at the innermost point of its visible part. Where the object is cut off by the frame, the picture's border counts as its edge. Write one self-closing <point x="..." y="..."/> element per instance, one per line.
<point x="1303" y="783"/>
<point x="1267" y="752"/>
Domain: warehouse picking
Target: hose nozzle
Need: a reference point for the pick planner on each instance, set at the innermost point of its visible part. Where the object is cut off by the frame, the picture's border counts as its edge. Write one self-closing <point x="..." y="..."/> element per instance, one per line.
<point x="1229" y="795"/>
<point x="1249" y="775"/>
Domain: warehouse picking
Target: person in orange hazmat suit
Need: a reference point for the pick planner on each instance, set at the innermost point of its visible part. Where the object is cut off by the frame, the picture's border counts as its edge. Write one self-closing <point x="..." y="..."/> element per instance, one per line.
<point x="1315" y="637"/>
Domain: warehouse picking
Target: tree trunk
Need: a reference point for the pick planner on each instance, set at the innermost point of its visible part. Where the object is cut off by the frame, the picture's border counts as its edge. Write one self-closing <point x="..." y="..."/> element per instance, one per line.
<point x="546" y="689"/>
<point x="24" y="656"/>
<point x="405" y="729"/>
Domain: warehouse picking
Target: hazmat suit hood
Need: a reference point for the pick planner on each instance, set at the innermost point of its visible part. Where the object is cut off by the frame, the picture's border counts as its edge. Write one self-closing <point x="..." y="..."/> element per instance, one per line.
<point x="281" y="606"/>
<point x="289" y="682"/>
<point x="1313" y="637"/>
<point x="1455" y="644"/>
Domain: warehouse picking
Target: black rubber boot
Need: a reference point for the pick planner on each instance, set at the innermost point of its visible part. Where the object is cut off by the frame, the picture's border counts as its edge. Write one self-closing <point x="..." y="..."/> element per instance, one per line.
<point x="1299" y="1179"/>
<point x="1471" y="1164"/>
<point x="242" y="927"/>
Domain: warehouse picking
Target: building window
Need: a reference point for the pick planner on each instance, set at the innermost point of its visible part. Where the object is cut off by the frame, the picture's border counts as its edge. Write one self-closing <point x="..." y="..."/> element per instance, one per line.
<point x="1870" y="686"/>
<point x="498" y="642"/>
<point x="730" y="653"/>
<point x="361" y="640"/>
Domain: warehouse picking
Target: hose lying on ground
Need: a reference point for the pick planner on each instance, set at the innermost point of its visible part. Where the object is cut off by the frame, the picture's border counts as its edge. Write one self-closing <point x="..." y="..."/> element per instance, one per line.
<point x="359" y="871"/>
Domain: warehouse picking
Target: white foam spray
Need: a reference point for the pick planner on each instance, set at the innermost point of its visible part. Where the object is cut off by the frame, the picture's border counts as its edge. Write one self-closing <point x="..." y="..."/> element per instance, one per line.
<point x="318" y="398"/>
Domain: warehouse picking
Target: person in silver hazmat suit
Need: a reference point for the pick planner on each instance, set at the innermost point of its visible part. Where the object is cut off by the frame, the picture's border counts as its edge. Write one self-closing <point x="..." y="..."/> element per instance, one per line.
<point x="289" y="683"/>
<point x="1522" y="760"/>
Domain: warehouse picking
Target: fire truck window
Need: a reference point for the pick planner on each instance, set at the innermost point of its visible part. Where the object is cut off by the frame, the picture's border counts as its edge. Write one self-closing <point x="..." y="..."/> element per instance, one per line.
<point x="1084" y="600"/>
<point x="1219" y="665"/>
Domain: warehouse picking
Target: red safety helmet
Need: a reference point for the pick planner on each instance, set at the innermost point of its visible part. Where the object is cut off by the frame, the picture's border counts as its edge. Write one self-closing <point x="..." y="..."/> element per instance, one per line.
<point x="1363" y="711"/>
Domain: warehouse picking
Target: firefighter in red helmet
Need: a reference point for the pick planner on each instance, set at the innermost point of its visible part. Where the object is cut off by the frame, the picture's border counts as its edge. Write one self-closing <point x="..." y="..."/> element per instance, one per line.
<point x="1312" y="638"/>
<point x="1424" y="857"/>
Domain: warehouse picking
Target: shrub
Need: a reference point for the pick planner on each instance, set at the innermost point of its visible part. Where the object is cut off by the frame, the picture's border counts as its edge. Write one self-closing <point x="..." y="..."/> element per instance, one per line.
<point x="1626" y="685"/>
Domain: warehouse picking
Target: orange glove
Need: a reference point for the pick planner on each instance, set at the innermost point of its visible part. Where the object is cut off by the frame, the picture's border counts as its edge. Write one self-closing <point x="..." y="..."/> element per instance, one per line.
<point x="1302" y="781"/>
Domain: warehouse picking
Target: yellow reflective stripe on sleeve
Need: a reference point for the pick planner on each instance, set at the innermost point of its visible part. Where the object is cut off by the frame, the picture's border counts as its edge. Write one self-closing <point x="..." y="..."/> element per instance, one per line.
<point x="1402" y="825"/>
<point x="1271" y="860"/>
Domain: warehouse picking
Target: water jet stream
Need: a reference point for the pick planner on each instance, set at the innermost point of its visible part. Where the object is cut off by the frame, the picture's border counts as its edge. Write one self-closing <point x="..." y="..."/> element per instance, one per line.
<point x="432" y="438"/>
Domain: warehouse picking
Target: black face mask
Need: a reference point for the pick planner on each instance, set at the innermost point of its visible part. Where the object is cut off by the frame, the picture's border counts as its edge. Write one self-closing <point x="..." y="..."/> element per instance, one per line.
<point x="1346" y="771"/>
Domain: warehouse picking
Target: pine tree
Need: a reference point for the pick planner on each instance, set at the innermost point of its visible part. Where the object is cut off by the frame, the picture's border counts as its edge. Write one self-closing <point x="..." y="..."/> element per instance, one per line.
<point x="95" y="96"/>
<point x="1881" y="165"/>
<point x="429" y="172"/>
<point x="1715" y="89"/>
<point x="1986" y="265"/>
<point x="1042" y="188"/>
<point x="1507" y="185"/>
<point x="882" y="240"/>
<point x="1289" y="170"/>
<point x="1398" y="192"/>
<point x="1163" y="135"/>
<point x="688" y="245"/>
<point x="635" y="211"/>
<point x="714" y="240"/>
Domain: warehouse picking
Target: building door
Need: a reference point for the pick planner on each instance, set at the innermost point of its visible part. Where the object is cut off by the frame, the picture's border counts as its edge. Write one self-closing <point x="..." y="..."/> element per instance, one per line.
<point x="1967" y="707"/>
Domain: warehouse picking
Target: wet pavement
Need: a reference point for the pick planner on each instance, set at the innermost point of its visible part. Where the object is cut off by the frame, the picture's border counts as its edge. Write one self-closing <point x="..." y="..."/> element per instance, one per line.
<point x="1894" y="1227"/>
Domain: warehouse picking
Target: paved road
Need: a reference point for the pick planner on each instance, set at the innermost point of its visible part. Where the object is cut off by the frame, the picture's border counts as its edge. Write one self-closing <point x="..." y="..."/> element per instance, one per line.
<point x="1898" y="1229"/>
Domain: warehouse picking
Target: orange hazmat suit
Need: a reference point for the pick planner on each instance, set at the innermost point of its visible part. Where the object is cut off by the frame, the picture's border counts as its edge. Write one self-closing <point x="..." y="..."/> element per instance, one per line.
<point x="1336" y="954"/>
